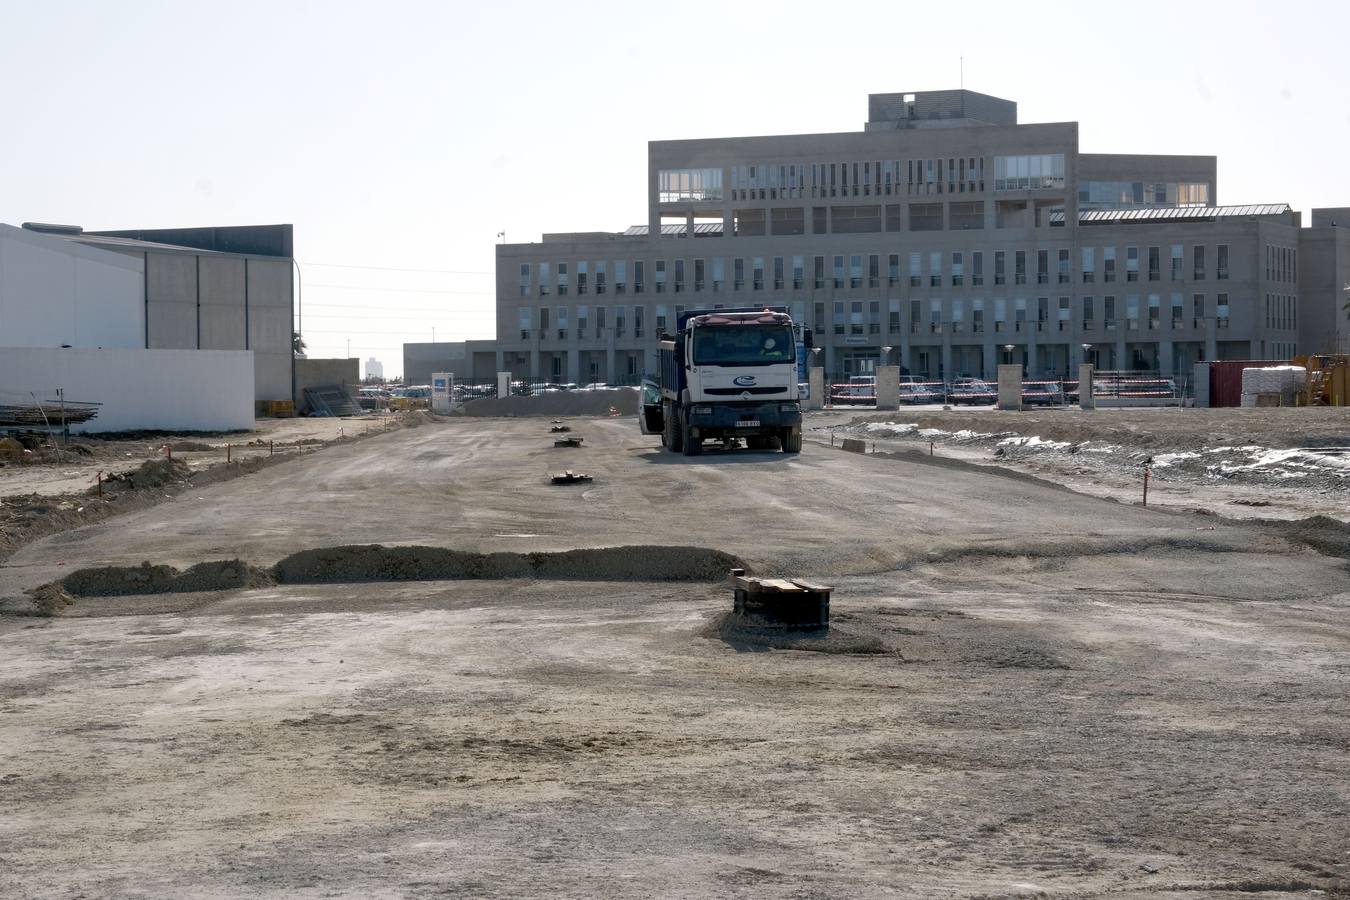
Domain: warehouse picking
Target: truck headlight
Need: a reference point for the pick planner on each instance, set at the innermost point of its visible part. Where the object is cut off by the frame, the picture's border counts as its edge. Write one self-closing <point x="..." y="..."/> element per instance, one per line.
<point x="703" y="410"/>
<point x="787" y="407"/>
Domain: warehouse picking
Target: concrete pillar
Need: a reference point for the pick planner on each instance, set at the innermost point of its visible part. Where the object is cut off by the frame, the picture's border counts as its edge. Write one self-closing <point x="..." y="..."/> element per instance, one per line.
<point x="1211" y="341"/>
<point x="888" y="387"/>
<point x="1009" y="386"/>
<point x="503" y="384"/>
<point x="501" y="360"/>
<point x="611" y="376"/>
<point x="572" y="371"/>
<point x="534" y="364"/>
<point x="815" y="377"/>
<point x="1121" y="361"/>
<point x="1165" y="358"/>
<point x="1086" y="400"/>
<point x="948" y="373"/>
<point x="990" y="359"/>
<point x="1200" y="379"/>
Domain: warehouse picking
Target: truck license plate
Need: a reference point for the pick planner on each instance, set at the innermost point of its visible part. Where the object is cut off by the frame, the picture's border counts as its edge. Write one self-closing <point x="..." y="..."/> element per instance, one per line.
<point x="748" y="423"/>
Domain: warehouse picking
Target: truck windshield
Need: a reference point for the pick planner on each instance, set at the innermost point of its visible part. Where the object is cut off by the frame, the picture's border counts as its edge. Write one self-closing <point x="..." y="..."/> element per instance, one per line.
<point x="743" y="345"/>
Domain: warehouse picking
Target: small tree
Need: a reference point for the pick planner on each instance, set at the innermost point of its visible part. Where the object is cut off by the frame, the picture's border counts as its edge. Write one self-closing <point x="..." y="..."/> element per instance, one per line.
<point x="297" y="343"/>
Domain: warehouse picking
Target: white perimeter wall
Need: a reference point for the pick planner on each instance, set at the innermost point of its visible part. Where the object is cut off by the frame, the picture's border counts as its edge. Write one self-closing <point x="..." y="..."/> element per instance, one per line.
<point x="54" y="292"/>
<point x="172" y="390"/>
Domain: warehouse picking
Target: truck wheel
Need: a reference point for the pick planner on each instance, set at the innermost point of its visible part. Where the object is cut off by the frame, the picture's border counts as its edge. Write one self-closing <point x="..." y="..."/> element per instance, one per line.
<point x="792" y="440"/>
<point x="693" y="446"/>
<point x="671" y="436"/>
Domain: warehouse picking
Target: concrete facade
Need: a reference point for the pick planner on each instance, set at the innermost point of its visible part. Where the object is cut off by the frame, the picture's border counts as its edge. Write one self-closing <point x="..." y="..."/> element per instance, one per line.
<point x="1324" y="274"/>
<point x="472" y="362"/>
<point x="943" y="229"/>
<point x="55" y="293"/>
<point x="191" y="296"/>
<point x="170" y="390"/>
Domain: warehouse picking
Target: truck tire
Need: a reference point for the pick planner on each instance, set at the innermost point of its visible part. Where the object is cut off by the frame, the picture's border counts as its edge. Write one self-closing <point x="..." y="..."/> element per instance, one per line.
<point x="792" y="440"/>
<point x="672" y="438"/>
<point x="693" y="446"/>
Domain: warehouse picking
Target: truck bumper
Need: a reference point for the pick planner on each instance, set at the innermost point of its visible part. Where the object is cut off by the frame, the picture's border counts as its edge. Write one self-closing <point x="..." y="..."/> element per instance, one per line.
<point x="732" y="419"/>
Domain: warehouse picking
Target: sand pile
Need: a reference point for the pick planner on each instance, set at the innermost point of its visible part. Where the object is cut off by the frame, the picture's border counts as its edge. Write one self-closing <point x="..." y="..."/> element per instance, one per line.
<point x="1322" y="533"/>
<point x="373" y="562"/>
<point x="117" y="581"/>
<point x="555" y="403"/>
<point x="153" y="473"/>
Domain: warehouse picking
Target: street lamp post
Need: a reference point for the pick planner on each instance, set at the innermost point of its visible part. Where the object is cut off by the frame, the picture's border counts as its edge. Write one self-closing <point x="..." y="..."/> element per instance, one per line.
<point x="1007" y="353"/>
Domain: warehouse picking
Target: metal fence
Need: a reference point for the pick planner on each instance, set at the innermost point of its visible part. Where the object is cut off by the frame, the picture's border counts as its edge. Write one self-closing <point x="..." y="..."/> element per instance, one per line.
<point x="1141" y="388"/>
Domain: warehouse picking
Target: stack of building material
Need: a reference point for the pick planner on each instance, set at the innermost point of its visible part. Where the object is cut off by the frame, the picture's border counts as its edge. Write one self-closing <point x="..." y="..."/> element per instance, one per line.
<point x="1272" y="385"/>
<point x="43" y="415"/>
<point x="331" y="400"/>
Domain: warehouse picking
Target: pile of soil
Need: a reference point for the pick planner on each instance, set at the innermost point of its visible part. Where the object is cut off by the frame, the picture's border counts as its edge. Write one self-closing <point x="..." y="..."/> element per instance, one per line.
<point x="1326" y="535"/>
<point x="555" y="403"/>
<point x="374" y="562"/>
<point x="153" y="473"/>
<point x="117" y="581"/>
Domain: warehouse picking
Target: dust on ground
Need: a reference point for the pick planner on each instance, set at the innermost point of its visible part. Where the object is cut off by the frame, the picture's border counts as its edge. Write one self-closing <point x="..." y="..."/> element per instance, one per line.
<point x="1237" y="463"/>
<point x="59" y="486"/>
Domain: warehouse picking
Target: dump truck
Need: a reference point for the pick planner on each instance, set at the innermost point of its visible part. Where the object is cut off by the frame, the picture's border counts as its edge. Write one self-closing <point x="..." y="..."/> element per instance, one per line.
<point x="726" y="374"/>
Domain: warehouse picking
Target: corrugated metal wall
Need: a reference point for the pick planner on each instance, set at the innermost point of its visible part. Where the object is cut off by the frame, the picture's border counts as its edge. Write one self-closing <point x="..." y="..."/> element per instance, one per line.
<point x="1225" y="379"/>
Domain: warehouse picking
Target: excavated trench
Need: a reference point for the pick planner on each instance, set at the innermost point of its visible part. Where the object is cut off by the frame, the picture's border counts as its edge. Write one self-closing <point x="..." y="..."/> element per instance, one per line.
<point x="375" y="562"/>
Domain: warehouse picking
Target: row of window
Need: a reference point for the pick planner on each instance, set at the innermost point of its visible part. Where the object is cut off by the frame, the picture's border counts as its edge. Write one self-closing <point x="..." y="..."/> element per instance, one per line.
<point x="1124" y="194"/>
<point x="1281" y="264"/>
<point x="861" y="178"/>
<point x="1282" y="312"/>
<point x="933" y="316"/>
<point x="956" y="268"/>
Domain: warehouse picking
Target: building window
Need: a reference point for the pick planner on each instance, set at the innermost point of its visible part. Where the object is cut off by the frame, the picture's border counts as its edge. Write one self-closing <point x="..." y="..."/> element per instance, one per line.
<point x="700" y="273"/>
<point x="935" y="270"/>
<point x="977" y="268"/>
<point x="582" y="278"/>
<point x="719" y="273"/>
<point x="798" y="273"/>
<point x="1221" y="267"/>
<point x="1088" y="265"/>
<point x="1176" y="261"/>
<point x="737" y="274"/>
<point x="599" y="277"/>
<point x="915" y="269"/>
<point x="524" y="313"/>
<point x="543" y="279"/>
<point x="958" y="268"/>
<point x="1221" y="309"/>
<point x="1108" y="264"/>
<point x="1131" y="263"/>
<point x="675" y="185"/>
<point x="818" y="277"/>
<point x="839" y="271"/>
<point x="1020" y="266"/>
<point x="620" y="276"/>
<point x="562" y="279"/>
<point x="524" y="279"/>
<point x="1029" y="173"/>
<point x="660" y="276"/>
<point x="1064" y="266"/>
<point x="1042" y="266"/>
<point x="855" y="275"/>
<point x="757" y="273"/>
<point x="1000" y="260"/>
<point x="1198" y="257"/>
<point x="1088" y="318"/>
<point x="638" y="276"/>
<point x="1154" y="264"/>
<point x="679" y="276"/>
<point x="778" y="273"/>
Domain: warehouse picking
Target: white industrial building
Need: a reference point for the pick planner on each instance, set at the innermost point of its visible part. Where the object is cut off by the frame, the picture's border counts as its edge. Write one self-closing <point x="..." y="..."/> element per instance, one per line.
<point x="176" y="330"/>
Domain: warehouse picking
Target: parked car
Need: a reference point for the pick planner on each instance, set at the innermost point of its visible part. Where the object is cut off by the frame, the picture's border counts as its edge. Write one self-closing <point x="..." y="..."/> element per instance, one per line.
<point x="1042" y="393"/>
<point x="916" y="392"/>
<point x="972" y="392"/>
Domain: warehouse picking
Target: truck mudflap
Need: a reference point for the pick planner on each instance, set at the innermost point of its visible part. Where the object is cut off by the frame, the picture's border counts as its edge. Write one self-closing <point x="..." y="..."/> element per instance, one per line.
<point x="726" y="419"/>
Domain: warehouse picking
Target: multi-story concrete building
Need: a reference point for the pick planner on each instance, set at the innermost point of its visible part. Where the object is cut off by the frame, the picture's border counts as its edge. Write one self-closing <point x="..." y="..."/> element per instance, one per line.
<point x="944" y="236"/>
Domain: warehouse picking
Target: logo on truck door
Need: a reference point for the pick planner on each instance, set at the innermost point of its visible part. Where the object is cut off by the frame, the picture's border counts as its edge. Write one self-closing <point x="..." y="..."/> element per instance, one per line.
<point x="744" y="381"/>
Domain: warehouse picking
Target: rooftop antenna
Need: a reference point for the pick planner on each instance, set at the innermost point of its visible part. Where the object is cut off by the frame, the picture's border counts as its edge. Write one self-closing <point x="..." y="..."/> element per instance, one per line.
<point x="963" y="72"/>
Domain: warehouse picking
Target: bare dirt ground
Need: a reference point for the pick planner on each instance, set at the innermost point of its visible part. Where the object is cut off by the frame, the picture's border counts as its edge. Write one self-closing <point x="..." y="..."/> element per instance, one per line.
<point x="1026" y="692"/>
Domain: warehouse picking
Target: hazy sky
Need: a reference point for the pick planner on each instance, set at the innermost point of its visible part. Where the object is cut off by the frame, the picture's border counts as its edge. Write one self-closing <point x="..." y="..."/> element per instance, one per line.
<point x="400" y="137"/>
